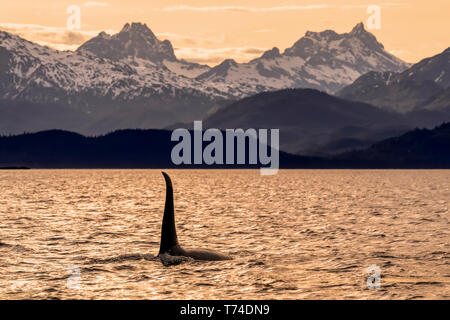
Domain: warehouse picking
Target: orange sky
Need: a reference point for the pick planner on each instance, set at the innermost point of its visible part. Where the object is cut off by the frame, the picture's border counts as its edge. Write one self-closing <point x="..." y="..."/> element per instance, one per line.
<point x="208" y="31"/>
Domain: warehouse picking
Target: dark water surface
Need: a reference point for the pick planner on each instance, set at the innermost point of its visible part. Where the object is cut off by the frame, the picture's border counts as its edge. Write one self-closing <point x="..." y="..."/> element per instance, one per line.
<point x="300" y="234"/>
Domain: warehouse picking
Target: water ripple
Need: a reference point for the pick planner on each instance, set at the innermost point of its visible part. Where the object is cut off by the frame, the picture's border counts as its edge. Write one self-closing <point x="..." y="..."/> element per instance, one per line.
<point x="301" y="234"/>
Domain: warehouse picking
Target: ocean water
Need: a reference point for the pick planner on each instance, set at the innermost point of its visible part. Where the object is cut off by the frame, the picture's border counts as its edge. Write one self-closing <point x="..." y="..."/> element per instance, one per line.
<point x="300" y="234"/>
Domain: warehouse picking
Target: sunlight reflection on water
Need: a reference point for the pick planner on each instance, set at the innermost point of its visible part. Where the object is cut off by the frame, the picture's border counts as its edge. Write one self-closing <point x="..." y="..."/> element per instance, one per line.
<point x="300" y="234"/>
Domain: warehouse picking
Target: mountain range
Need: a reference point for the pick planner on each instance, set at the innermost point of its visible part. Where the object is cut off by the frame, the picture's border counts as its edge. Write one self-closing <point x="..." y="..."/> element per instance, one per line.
<point x="326" y="61"/>
<point x="420" y="148"/>
<point x="134" y="80"/>
<point x="423" y="86"/>
<point x="376" y="106"/>
<point x="119" y="149"/>
<point x="310" y="121"/>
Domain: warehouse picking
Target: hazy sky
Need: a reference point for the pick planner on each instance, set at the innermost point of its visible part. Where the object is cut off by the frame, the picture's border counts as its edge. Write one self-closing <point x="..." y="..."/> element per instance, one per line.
<point x="209" y="31"/>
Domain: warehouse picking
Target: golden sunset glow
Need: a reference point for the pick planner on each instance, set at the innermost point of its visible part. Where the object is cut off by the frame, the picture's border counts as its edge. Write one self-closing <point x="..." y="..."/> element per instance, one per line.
<point x="209" y="31"/>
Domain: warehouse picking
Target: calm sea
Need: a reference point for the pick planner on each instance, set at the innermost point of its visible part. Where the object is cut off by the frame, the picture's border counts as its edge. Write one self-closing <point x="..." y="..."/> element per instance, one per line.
<point x="300" y="234"/>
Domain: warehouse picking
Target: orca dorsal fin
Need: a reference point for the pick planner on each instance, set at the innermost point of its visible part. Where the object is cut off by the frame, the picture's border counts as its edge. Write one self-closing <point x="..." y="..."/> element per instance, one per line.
<point x="168" y="230"/>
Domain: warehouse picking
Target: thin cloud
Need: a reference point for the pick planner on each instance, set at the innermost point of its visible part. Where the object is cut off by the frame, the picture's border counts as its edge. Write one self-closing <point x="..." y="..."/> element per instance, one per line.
<point x="59" y="46"/>
<point x="254" y="51"/>
<point x="18" y="28"/>
<point x="399" y="52"/>
<point x="246" y="9"/>
<point x="217" y="55"/>
<point x="55" y="37"/>
<point x="95" y="4"/>
<point x="394" y="4"/>
<point x="191" y="46"/>
<point x="190" y="39"/>
<point x="242" y="8"/>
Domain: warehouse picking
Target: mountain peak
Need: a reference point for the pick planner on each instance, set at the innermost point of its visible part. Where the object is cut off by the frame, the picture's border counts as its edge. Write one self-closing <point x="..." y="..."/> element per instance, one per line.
<point x="103" y="34"/>
<point x="366" y="37"/>
<point x="221" y="70"/>
<point x="126" y="27"/>
<point x="327" y="34"/>
<point x="358" y="29"/>
<point x="328" y="41"/>
<point x="138" y="32"/>
<point x="136" y="27"/>
<point x="134" y="40"/>
<point x="229" y="62"/>
<point x="272" y="53"/>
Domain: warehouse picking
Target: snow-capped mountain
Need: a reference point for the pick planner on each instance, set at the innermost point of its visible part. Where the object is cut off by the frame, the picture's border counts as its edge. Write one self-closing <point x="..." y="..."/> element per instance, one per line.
<point x="423" y="86"/>
<point x="134" y="80"/>
<point x="102" y="69"/>
<point x="322" y="60"/>
<point x="138" y="41"/>
<point x="145" y="92"/>
<point x="135" y="40"/>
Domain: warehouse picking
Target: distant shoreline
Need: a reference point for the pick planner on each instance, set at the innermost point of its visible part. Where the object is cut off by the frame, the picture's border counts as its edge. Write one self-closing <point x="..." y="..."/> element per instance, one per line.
<point x="152" y="149"/>
<point x="226" y="168"/>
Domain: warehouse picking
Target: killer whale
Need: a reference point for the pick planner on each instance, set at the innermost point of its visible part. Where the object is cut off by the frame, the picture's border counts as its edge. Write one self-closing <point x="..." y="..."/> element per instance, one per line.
<point x="169" y="242"/>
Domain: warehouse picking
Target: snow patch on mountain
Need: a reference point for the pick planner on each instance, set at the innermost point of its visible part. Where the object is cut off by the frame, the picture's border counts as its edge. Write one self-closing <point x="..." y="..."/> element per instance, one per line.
<point x="133" y="67"/>
<point x="322" y="60"/>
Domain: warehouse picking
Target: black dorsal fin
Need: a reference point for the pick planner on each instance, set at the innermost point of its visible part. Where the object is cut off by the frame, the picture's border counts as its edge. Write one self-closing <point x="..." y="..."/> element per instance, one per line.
<point x="168" y="230"/>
